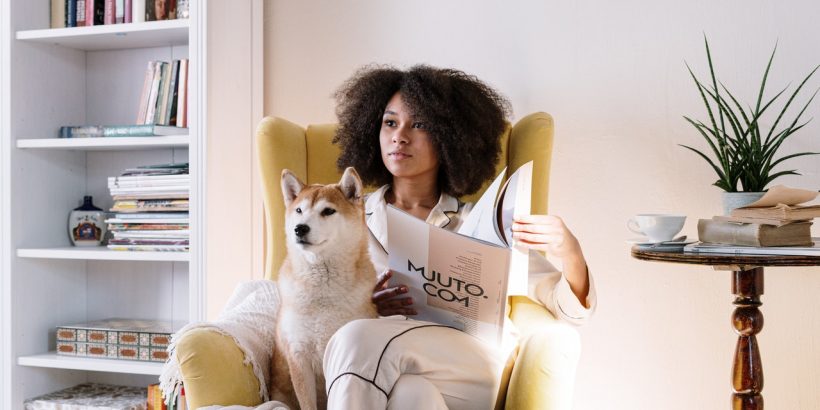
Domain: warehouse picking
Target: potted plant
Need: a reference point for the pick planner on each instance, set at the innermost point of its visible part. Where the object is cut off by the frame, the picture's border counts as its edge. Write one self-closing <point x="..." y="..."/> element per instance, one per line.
<point x="744" y="150"/>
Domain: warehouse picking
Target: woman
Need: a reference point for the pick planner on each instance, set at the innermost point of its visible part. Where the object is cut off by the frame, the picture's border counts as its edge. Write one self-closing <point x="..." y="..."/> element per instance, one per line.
<point x="438" y="133"/>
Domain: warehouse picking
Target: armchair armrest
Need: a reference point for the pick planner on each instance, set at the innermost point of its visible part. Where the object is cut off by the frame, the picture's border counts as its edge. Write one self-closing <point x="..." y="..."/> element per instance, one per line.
<point x="214" y="370"/>
<point x="543" y="375"/>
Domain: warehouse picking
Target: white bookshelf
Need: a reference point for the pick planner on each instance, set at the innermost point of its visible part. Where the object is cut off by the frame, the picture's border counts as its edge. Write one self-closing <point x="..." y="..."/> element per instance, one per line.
<point x="85" y="75"/>
<point x="52" y="360"/>
<point x="106" y="144"/>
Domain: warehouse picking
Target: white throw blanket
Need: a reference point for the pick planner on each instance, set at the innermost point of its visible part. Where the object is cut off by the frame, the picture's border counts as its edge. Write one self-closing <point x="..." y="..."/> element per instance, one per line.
<point x="249" y="318"/>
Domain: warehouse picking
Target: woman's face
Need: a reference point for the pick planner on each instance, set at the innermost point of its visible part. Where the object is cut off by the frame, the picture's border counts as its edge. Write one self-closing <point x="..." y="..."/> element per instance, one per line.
<point x="407" y="150"/>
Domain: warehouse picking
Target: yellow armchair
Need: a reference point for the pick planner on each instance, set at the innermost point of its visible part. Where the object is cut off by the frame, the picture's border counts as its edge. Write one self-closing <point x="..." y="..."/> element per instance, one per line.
<point x="543" y="373"/>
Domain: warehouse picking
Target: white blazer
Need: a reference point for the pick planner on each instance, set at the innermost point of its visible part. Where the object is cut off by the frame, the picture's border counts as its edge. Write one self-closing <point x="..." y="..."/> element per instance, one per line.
<point x="547" y="285"/>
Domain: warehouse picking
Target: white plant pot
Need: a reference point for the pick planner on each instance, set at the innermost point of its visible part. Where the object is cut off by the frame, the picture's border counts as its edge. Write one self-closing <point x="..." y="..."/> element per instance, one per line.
<point x="732" y="200"/>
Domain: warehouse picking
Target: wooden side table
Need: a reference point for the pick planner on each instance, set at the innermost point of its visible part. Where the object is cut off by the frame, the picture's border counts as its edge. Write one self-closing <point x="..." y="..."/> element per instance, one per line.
<point x="747" y="286"/>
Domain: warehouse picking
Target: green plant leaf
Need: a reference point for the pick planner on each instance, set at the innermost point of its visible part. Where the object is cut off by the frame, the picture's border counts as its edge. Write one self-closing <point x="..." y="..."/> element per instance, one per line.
<point x="789" y="102"/>
<point x="721" y="175"/>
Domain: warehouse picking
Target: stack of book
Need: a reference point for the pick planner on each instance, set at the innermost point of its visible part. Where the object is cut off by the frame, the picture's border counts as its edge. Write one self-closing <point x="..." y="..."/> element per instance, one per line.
<point x="81" y="13"/>
<point x="776" y="224"/>
<point x="151" y="209"/>
<point x="126" y="339"/>
<point x="164" y="96"/>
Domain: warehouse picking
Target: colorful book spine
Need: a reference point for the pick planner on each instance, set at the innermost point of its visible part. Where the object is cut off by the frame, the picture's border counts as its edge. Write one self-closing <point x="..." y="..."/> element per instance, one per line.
<point x="128" y="11"/>
<point x="71" y="13"/>
<point x="110" y="12"/>
<point x="58" y="9"/>
<point x="80" y="13"/>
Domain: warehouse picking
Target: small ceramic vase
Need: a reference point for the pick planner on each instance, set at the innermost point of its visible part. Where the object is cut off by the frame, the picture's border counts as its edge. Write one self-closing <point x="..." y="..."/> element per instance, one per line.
<point x="86" y="224"/>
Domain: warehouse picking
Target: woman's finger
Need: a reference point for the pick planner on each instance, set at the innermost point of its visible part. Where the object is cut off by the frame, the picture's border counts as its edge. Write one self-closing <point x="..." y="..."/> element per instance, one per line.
<point x="388" y="293"/>
<point x="537" y="219"/>
<point x="381" y="282"/>
<point x="536" y="228"/>
<point x="538" y="238"/>
<point x="395" y="303"/>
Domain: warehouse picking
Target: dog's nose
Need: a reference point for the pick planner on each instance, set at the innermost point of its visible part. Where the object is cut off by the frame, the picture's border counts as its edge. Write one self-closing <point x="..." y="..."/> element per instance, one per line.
<point x="301" y="230"/>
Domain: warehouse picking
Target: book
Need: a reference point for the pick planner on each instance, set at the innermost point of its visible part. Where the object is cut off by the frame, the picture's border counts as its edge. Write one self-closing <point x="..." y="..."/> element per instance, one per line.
<point x="762" y="221"/>
<point x="782" y="203"/>
<point x="71" y="13"/>
<point x="119" y="12"/>
<point x="156" y="84"/>
<point x="162" y="97"/>
<point x="749" y="234"/>
<point x="182" y="94"/>
<point x="109" y="11"/>
<point x="91" y="396"/>
<point x="58" y="9"/>
<point x="168" y="112"/>
<point x="80" y="13"/>
<point x="455" y="278"/>
<point x="813" y="250"/>
<point x="138" y="11"/>
<point x="101" y="131"/>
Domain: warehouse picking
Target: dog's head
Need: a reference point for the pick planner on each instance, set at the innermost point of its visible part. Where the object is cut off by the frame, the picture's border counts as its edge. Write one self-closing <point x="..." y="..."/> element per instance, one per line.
<point x="323" y="217"/>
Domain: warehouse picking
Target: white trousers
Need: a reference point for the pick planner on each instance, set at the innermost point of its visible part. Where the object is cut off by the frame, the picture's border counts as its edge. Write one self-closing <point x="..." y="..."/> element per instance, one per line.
<point x="396" y="363"/>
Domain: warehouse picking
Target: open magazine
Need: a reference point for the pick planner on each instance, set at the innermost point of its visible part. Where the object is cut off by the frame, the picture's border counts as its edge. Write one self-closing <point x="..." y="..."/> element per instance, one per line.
<point x="462" y="279"/>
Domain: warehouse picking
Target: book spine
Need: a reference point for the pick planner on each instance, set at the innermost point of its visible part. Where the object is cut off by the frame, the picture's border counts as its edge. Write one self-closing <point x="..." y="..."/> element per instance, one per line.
<point x="128" y="11"/>
<point x="138" y="11"/>
<point x="729" y="233"/>
<point x="89" y="11"/>
<point x="99" y="12"/>
<point x="146" y="91"/>
<point x="58" y="13"/>
<point x="71" y="13"/>
<point x="128" y="131"/>
<point x="152" y="99"/>
<point x="162" y="99"/>
<point x="110" y="12"/>
<point x="182" y="95"/>
<point x="119" y="11"/>
<point x="170" y="115"/>
<point x="88" y="131"/>
<point x="80" y="13"/>
<point x="183" y="9"/>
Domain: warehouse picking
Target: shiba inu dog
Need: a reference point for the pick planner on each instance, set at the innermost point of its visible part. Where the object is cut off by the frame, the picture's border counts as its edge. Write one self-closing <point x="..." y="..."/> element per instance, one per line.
<point x="326" y="281"/>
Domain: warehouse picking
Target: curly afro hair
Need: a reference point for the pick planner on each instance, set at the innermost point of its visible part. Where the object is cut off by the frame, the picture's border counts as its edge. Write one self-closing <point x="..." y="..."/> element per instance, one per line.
<point x="463" y="116"/>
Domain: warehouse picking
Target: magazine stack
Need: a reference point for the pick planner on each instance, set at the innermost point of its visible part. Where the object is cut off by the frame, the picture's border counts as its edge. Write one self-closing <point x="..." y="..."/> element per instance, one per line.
<point x="150" y="209"/>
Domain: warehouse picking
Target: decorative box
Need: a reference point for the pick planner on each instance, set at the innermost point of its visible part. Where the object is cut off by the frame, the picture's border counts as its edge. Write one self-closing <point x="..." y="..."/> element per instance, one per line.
<point x="128" y="339"/>
<point x="92" y="396"/>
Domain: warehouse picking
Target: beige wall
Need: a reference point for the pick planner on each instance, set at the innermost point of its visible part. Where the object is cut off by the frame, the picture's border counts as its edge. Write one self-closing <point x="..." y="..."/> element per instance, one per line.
<point x="613" y="76"/>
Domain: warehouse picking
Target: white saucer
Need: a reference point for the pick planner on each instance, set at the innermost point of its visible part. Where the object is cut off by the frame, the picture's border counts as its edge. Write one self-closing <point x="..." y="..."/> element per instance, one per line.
<point x="645" y="241"/>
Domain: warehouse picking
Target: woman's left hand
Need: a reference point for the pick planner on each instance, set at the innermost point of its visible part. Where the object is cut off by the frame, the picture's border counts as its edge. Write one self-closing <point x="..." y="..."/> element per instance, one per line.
<point x="546" y="233"/>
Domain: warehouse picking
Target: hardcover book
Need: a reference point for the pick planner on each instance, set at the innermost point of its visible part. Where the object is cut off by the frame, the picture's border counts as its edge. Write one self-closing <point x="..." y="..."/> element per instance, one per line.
<point x="781" y="203"/>
<point x="732" y="233"/>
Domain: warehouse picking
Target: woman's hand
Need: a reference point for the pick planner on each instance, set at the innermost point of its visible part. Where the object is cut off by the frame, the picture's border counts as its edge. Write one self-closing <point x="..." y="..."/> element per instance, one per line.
<point x="385" y="299"/>
<point x="546" y="233"/>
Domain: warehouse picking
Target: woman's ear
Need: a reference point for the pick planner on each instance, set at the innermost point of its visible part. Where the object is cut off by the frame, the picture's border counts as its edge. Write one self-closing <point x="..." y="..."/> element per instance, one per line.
<point x="351" y="185"/>
<point x="291" y="186"/>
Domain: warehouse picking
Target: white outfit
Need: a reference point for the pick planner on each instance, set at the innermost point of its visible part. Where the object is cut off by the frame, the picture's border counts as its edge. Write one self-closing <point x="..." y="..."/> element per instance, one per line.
<point x="399" y="363"/>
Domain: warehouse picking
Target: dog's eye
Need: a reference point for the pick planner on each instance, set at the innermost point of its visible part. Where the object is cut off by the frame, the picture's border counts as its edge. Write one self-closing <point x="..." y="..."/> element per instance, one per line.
<point x="328" y="211"/>
<point x="298" y="210"/>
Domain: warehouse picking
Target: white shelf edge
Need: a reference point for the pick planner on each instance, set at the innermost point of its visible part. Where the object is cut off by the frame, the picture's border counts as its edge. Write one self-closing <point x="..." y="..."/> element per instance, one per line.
<point x="106" y="143"/>
<point x="113" y="36"/>
<point x="101" y="253"/>
<point x="54" y="361"/>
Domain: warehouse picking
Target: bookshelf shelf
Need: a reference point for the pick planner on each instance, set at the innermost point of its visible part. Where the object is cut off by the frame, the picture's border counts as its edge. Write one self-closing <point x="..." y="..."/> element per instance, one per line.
<point x="102" y="254"/>
<point x="114" y="36"/>
<point x="106" y="144"/>
<point x="55" y="361"/>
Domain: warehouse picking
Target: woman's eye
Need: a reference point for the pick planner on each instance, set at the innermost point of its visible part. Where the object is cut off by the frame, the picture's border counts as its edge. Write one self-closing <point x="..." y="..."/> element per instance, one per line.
<point x="390" y="123"/>
<point x="328" y="211"/>
<point x="298" y="210"/>
<point x="419" y="125"/>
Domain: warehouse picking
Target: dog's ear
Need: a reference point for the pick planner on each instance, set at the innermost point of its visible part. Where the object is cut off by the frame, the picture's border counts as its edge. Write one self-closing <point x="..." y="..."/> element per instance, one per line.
<point x="291" y="186"/>
<point x="351" y="185"/>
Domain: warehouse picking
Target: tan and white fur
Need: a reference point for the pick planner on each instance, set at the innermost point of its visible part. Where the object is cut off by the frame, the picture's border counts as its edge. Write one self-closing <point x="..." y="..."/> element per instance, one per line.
<point x="325" y="282"/>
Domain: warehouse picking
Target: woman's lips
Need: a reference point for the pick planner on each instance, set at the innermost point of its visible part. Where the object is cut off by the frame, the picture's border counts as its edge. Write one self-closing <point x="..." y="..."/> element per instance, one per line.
<point x="399" y="155"/>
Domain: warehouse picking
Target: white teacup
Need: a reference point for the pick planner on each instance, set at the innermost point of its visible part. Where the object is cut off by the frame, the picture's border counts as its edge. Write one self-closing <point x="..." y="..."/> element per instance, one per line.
<point x="656" y="227"/>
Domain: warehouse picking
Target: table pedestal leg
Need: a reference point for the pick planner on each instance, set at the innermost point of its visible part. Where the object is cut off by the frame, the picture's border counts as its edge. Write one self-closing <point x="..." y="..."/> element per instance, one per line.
<point x="747" y="371"/>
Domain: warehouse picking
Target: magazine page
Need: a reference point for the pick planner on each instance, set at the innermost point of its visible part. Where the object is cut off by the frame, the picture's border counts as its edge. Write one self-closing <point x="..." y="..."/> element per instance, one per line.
<point x="516" y="199"/>
<point x="479" y="222"/>
<point x="453" y="279"/>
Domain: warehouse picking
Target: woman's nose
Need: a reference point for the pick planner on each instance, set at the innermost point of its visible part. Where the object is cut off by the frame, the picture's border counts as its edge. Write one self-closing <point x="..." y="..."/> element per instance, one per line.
<point x="400" y="137"/>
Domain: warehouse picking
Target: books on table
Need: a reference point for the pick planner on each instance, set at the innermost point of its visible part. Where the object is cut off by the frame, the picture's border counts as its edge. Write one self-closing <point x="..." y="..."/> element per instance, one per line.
<point x="100" y="131"/>
<point x="462" y="279"/>
<point x="753" y="234"/>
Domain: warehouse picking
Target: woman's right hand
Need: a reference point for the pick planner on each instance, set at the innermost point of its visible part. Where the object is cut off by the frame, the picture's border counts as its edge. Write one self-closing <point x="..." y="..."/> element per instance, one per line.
<point x="385" y="299"/>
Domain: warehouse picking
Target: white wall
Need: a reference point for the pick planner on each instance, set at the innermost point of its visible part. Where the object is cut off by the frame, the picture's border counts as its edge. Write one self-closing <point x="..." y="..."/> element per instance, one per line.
<point x="613" y="76"/>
